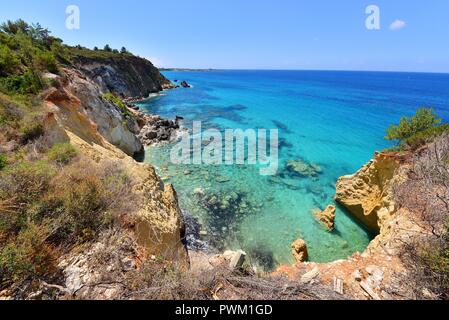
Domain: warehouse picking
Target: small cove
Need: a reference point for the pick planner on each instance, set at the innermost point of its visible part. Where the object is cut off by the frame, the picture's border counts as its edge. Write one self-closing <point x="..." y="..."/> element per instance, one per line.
<point x="334" y="120"/>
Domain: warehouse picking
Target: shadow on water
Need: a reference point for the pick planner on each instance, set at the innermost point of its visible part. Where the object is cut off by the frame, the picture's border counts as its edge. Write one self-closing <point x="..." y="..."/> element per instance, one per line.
<point x="369" y="233"/>
<point x="281" y="126"/>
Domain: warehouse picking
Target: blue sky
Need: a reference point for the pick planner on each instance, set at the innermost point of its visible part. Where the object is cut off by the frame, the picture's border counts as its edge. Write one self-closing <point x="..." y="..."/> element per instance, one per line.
<point x="249" y="34"/>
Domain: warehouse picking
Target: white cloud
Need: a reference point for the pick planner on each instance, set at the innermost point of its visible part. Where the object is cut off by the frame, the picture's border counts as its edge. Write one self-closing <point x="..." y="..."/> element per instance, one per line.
<point x="397" y="25"/>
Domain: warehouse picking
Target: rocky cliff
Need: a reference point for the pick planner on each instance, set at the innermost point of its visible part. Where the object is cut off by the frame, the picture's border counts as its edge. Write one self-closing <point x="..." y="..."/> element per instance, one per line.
<point x="367" y="193"/>
<point x="90" y="78"/>
<point x="125" y="75"/>
<point x="100" y="131"/>
<point x="75" y="96"/>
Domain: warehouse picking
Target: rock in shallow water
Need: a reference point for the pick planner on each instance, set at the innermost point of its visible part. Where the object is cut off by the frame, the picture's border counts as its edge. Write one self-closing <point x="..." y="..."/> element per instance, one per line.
<point x="327" y="217"/>
<point x="156" y="129"/>
<point x="224" y="211"/>
<point x="184" y="84"/>
<point x="299" y="250"/>
<point x="302" y="168"/>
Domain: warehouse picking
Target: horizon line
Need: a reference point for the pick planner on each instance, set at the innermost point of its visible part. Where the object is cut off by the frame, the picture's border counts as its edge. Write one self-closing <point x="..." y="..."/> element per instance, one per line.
<point x="274" y="69"/>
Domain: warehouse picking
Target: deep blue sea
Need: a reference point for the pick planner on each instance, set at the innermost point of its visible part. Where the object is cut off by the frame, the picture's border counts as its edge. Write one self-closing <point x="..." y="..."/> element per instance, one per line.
<point x="334" y="120"/>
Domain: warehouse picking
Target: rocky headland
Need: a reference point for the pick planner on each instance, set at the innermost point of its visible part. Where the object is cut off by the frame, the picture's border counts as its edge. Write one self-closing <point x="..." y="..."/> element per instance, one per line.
<point x="127" y="76"/>
<point x="371" y="195"/>
<point x="104" y="133"/>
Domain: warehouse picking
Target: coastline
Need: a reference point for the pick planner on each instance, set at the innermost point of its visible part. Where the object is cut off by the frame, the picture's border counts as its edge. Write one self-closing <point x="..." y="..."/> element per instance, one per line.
<point x="103" y="195"/>
<point x="363" y="275"/>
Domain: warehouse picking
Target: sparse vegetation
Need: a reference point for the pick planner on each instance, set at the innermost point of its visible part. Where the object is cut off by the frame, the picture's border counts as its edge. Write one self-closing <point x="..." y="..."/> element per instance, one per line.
<point x="31" y="130"/>
<point x="118" y="102"/>
<point x="51" y="199"/>
<point x="426" y="194"/>
<point x="53" y="209"/>
<point x="27" y="255"/>
<point x="62" y="152"/>
<point x="3" y="161"/>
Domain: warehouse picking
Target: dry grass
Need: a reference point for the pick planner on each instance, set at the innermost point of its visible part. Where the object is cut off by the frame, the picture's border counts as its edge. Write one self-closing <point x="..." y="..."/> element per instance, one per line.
<point x="46" y="209"/>
<point x="426" y="194"/>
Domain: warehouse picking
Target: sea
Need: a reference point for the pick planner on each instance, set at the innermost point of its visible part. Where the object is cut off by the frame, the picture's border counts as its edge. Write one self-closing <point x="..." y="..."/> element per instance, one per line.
<point x="332" y="121"/>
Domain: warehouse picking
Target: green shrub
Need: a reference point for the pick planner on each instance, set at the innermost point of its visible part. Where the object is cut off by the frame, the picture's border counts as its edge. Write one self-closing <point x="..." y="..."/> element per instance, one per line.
<point x="84" y="208"/>
<point x="3" y="161"/>
<point x="62" y="153"/>
<point x="25" y="182"/>
<point x="423" y="120"/>
<point x="423" y="137"/>
<point x="46" y="61"/>
<point x="28" y="83"/>
<point x="61" y="52"/>
<point x="110" y="97"/>
<point x="27" y="255"/>
<point x="9" y="62"/>
<point x="31" y="130"/>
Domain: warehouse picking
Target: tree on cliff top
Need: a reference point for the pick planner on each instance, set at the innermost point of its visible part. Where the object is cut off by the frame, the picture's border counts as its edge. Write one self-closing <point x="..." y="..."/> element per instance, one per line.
<point x="424" y="122"/>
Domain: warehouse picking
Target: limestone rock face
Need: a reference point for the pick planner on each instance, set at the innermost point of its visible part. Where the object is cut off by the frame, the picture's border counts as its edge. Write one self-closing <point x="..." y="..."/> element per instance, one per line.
<point x="327" y="217"/>
<point x="299" y="250"/>
<point x="54" y="133"/>
<point x="159" y="226"/>
<point x="126" y="76"/>
<point x="366" y="194"/>
<point x="89" y="124"/>
<point x="77" y="101"/>
<point x="236" y="259"/>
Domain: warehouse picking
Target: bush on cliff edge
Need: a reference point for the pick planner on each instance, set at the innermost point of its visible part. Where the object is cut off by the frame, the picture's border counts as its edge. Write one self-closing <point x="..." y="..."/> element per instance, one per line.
<point x="413" y="132"/>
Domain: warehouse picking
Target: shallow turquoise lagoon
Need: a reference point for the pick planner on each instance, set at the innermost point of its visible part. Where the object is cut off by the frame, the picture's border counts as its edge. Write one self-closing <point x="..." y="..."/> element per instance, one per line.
<point x="335" y="120"/>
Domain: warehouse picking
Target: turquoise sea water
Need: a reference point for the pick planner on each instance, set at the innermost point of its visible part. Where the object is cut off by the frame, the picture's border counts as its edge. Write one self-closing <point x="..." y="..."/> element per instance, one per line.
<point x="332" y="119"/>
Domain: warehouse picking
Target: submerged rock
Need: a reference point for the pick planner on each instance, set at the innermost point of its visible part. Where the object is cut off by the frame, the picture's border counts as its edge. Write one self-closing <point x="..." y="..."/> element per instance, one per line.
<point x="194" y="235"/>
<point x="299" y="250"/>
<point x="222" y="179"/>
<point x="198" y="192"/>
<point x="327" y="217"/>
<point x="224" y="211"/>
<point x="262" y="256"/>
<point x="301" y="168"/>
